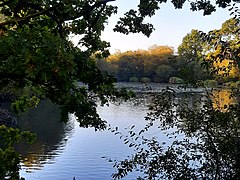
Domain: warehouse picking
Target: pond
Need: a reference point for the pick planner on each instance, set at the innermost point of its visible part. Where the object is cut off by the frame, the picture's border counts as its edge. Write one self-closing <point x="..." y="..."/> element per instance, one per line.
<point x="66" y="151"/>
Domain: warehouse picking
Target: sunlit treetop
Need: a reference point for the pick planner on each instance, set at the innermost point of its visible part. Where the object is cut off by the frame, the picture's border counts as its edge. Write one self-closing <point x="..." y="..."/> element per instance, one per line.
<point x="218" y="50"/>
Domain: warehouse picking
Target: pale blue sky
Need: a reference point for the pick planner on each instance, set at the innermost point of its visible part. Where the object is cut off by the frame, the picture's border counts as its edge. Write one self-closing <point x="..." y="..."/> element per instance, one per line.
<point x="171" y="26"/>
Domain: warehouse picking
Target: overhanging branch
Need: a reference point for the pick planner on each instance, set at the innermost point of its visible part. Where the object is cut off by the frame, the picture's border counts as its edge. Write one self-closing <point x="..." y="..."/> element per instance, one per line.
<point x="6" y="3"/>
<point x="16" y="20"/>
<point x="49" y="13"/>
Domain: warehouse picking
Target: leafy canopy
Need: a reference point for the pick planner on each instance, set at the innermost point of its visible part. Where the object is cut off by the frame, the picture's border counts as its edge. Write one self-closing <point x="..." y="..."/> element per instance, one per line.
<point x="216" y="51"/>
<point x="39" y="61"/>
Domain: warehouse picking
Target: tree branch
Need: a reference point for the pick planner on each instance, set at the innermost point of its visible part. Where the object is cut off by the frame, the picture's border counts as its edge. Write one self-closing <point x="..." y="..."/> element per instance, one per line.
<point x="47" y="12"/>
<point x="105" y="1"/>
<point x="6" y="3"/>
<point x="98" y="16"/>
<point x="91" y="8"/>
<point x="16" y="20"/>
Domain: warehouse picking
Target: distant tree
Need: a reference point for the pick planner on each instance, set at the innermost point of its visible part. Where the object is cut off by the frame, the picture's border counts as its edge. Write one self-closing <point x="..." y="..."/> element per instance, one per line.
<point x="216" y="51"/>
<point x="191" y="53"/>
<point x="223" y="52"/>
<point x="192" y="47"/>
<point x="160" y="50"/>
<point x="164" y="73"/>
<point x="141" y="63"/>
<point x="157" y="56"/>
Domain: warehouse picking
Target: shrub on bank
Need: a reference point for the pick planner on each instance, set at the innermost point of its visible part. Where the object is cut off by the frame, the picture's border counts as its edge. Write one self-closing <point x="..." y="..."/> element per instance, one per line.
<point x="238" y="84"/>
<point x="230" y="84"/>
<point x="145" y="80"/>
<point x="133" y="79"/>
<point x="210" y="83"/>
<point x="233" y="84"/>
<point x="176" y="80"/>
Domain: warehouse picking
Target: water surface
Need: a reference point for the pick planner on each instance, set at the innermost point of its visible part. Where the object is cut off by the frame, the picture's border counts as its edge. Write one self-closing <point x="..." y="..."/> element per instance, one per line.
<point x="65" y="151"/>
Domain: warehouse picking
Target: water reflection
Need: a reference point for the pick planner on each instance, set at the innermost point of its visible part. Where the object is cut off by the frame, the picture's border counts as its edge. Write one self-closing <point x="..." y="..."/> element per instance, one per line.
<point x="51" y="134"/>
<point x="81" y="158"/>
<point x="76" y="152"/>
<point x="209" y="146"/>
<point x="221" y="99"/>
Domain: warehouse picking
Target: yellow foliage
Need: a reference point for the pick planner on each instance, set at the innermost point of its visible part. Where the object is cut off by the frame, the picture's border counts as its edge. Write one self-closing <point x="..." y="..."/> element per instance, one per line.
<point x="160" y="50"/>
<point x="224" y="67"/>
<point x="222" y="98"/>
<point x="155" y="50"/>
<point x="227" y="67"/>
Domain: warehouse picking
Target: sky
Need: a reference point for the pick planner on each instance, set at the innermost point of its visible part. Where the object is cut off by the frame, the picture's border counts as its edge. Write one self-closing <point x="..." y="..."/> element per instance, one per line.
<point x="170" y="25"/>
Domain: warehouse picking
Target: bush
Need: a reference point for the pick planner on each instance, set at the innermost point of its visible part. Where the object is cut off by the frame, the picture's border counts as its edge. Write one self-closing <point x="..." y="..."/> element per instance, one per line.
<point x="237" y="84"/>
<point x="210" y="83"/>
<point x="145" y="80"/>
<point x="233" y="84"/>
<point x="176" y="80"/>
<point x="133" y="79"/>
<point x="230" y="84"/>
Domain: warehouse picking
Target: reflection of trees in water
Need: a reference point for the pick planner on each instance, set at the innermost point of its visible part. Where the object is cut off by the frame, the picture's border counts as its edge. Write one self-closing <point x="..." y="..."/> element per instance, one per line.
<point x="140" y="100"/>
<point x="205" y="140"/>
<point x="51" y="134"/>
<point x="221" y="99"/>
